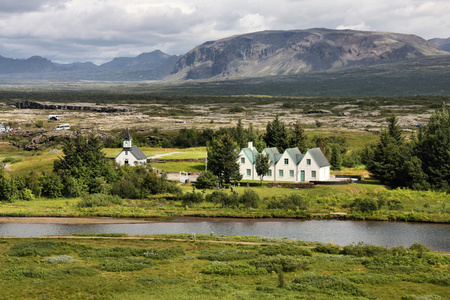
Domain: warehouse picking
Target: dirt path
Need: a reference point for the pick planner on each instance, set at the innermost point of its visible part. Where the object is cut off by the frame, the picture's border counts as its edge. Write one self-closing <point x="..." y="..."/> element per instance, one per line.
<point x="162" y="155"/>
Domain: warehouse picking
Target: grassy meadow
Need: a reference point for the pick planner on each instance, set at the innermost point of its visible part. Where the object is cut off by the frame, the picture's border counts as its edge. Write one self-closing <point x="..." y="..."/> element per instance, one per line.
<point x="187" y="266"/>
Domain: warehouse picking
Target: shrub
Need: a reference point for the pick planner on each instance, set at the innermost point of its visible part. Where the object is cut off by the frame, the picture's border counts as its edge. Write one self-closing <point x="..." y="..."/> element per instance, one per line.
<point x="419" y="247"/>
<point x="43" y="248"/>
<point x="279" y="262"/>
<point x="21" y="272"/>
<point x="192" y="198"/>
<point x="249" y="198"/>
<point x="327" y="284"/>
<point x="206" y="180"/>
<point x="126" y="264"/>
<point x="226" y="254"/>
<point x="95" y="200"/>
<point x="284" y="249"/>
<point x="362" y="249"/>
<point x="164" y="253"/>
<point x="113" y="252"/>
<point x="328" y="248"/>
<point x="292" y="202"/>
<point x="364" y="204"/>
<point x="221" y="268"/>
<point x="217" y="197"/>
<point x="395" y="205"/>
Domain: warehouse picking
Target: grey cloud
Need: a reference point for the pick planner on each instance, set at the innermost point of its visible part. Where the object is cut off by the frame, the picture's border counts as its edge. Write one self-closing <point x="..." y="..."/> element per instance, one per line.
<point x="21" y="6"/>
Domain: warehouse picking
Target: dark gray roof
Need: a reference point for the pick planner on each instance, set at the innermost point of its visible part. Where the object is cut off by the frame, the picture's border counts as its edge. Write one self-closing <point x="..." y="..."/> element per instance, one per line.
<point x="295" y="154"/>
<point x="274" y="154"/>
<point x="138" y="153"/>
<point x="318" y="156"/>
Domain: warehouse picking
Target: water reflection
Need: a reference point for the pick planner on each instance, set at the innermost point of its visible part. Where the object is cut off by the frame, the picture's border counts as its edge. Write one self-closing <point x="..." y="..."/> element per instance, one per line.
<point x="338" y="232"/>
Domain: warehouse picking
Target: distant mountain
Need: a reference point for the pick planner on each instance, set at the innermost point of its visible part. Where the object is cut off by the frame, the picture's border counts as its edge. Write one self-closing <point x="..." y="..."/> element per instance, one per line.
<point x="34" y="64"/>
<point x="443" y="44"/>
<point x="146" y="66"/>
<point x="149" y="60"/>
<point x="269" y="53"/>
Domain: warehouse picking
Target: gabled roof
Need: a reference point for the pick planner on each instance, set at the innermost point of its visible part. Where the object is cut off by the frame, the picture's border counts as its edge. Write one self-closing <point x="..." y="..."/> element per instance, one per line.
<point x="251" y="154"/>
<point x="295" y="154"/>
<point x="138" y="153"/>
<point x="274" y="154"/>
<point x="127" y="135"/>
<point x="319" y="158"/>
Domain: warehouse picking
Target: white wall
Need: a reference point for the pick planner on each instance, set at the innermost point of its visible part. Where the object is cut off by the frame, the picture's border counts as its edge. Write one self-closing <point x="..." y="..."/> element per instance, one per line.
<point x="286" y="168"/>
<point x="120" y="159"/>
<point x="247" y="165"/>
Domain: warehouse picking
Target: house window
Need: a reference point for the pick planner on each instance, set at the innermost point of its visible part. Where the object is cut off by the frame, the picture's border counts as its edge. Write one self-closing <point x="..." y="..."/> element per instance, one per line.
<point x="286" y="161"/>
<point x="308" y="162"/>
<point x="313" y="174"/>
<point x="249" y="172"/>
<point x="242" y="160"/>
<point x="269" y="173"/>
<point x="280" y="173"/>
<point x="126" y="161"/>
<point x="291" y="173"/>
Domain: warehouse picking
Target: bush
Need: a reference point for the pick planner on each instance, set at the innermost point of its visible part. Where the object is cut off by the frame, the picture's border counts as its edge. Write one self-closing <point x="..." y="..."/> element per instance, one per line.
<point x="126" y="264"/>
<point x="279" y="262"/>
<point x="249" y="198"/>
<point x="95" y="200"/>
<point x="292" y="202"/>
<point x="217" y="197"/>
<point x="362" y="249"/>
<point x="206" y="180"/>
<point x="43" y="248"/>
<point x="395" y="205"/>
<point x="328" y="248"/>
<point x="332" y="285"/>
<point x="21" y="272"/>
<point x="222" y="268"/>
<point x="284" y="249"/>
<point x="419" y="247"/>
<point x="226" y="254"/>
<point x="164" y="253"/>
<point x="364" y="204"/>
<point x="192" y="198"/>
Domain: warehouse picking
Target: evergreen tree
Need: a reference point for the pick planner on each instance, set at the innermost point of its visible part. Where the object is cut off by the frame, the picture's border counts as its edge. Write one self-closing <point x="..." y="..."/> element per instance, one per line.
<point x="298" y="137"/>
<point x="84" y="160"/>
<point x="394" y="129"/>
<point x="262" y="165"/>
<point x="253" y="136"/>
<point x="240" y="135"/>
<point x="223" y="159"/>
<point x="386" y="161"/>
<point x="433" y="149"/>
<point x="336" y="159"/>
<point x="276" y="135"/>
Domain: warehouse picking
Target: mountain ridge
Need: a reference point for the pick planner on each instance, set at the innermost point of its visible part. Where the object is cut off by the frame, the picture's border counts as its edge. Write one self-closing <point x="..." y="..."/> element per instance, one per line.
<point x="268" y="53"/>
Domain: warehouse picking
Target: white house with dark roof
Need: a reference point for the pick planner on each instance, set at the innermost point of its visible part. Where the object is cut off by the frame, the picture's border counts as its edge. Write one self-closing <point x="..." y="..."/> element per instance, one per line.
<point x="291" y="166"/>
<point x="130" y="155"/>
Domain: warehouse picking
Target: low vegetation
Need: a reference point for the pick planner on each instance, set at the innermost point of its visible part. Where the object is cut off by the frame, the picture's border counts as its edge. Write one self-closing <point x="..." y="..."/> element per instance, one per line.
<point x="186" y="268"/>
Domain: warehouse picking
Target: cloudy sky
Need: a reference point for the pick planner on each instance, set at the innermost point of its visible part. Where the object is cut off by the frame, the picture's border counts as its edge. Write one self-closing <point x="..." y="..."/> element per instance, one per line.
<point x="99" y="30"/>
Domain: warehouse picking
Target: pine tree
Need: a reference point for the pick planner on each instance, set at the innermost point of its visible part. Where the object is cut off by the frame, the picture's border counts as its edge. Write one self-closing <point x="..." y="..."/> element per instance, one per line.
<point x="298" y="137"/>
<point x="223" y="159"/>
<point x="336" y="159"/>
<point x="394" y="129"/>
<point x="276" y="135"/>
<point x="240" y="135"/>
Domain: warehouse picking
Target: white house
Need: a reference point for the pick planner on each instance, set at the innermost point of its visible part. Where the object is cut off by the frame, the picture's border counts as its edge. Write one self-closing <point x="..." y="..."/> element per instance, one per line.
<point x="131" y="155"/>
<point x="247" y="158"/>
<point x="291" y="166"/>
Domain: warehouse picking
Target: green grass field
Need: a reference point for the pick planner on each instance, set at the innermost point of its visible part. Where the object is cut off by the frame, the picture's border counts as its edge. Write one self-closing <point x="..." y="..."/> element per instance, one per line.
<point x="183" y="266"/>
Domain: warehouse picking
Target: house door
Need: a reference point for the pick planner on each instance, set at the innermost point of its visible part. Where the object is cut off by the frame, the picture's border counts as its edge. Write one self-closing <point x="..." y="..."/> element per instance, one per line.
<point x="302" y="175"/>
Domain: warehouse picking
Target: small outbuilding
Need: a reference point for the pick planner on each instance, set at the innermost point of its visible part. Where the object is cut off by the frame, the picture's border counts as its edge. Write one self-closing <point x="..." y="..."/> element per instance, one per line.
<point x="130" y="155"/>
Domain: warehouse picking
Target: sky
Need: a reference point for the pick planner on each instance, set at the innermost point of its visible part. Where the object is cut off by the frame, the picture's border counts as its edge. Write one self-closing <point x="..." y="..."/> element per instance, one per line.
<point x="68" y="31"/>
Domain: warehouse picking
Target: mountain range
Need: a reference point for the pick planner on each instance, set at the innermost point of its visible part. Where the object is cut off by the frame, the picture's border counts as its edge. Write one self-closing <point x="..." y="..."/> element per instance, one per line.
<point x="258" y="54"/>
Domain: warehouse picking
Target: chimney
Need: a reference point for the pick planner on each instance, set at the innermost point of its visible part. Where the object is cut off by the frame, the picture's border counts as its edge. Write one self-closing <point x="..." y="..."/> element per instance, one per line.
<point x="250" y="145"/>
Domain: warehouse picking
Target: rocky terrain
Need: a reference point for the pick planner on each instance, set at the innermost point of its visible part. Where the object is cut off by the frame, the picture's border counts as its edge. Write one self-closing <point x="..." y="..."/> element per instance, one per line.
<point x="270" y="53"/>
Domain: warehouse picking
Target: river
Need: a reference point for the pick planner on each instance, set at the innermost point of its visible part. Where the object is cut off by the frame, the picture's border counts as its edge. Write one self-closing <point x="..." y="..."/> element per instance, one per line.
<point x="435" y="236"/>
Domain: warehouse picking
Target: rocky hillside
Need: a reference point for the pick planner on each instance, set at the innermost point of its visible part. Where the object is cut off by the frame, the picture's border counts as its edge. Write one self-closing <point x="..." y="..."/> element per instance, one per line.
<point x="298" y="51"/>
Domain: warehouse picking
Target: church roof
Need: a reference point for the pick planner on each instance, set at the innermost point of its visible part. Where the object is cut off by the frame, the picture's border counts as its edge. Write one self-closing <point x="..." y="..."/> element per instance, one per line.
<point x="138" y="153"/>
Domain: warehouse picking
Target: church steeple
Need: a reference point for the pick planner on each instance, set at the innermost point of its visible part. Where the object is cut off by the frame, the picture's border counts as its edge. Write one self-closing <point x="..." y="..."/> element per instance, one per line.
<point x="127" y="140"/>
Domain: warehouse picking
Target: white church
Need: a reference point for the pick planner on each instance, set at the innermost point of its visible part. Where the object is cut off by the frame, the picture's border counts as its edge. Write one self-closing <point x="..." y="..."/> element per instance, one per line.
<point x="130" y="155"/>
